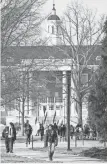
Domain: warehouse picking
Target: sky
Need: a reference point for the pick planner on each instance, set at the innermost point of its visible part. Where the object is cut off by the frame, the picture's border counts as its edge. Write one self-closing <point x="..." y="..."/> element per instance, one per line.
<point x="96" y="5"/>
<point x="99" y="5"/>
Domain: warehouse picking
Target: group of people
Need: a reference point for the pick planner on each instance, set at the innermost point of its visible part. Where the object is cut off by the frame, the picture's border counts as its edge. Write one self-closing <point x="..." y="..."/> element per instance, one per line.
<point x="9" y="134"/>
<point x="61" y="130"/>
<point x="89" y="133"/>
<point x="50" y="137"/>
<point x="85" y="132"/>
<point x="48" y="133"/>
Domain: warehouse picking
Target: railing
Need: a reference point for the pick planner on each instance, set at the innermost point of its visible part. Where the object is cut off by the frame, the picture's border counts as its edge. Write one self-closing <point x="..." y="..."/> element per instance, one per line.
<point x="50" y="100"/>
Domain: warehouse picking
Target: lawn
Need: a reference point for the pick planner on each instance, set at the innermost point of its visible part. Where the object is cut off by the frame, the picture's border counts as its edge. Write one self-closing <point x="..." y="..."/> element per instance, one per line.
<point x="99" y="153"/>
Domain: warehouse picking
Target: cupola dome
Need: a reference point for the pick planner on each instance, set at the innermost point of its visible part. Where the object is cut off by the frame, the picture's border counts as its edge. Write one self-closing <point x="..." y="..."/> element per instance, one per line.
<point x="53" y="16"/>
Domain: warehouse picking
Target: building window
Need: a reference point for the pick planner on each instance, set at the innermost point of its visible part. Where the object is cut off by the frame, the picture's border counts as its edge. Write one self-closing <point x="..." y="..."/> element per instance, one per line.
<point x="58" y="99"/>
<point x="84" y="79"/>
<point x="51" y="107"/>
<point x="56" y="94"/>
<point x="57" y="107"/>
<point x="10" y="59"/>
<point x="58" y="30"/>
<point x="57" y="80"/>
<point x="52" y="29"/>
<point x="58" y="83"/>
<point x="98" y="58"/>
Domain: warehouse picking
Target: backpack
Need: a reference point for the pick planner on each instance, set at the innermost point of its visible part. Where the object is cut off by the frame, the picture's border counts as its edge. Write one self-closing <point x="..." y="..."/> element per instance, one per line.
<point x="5" y="132"/>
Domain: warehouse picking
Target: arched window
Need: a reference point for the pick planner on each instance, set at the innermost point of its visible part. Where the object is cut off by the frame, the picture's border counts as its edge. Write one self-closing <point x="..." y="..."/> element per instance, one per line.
<point x="48" y="28"/>
<point x="57" y="29"/>
<point x="52" y="29"/>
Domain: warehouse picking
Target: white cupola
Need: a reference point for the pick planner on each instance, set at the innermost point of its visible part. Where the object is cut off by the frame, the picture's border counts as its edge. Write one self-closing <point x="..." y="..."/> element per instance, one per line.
<point x="54" y="28"/>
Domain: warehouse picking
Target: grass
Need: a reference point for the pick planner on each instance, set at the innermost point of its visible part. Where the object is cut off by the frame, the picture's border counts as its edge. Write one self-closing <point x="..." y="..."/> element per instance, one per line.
<point x="99" y="153"/>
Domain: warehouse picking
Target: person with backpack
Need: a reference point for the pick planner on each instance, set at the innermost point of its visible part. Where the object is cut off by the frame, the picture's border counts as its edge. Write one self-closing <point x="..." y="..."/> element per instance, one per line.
<point x="9" y="134"/>
<point x="28" y="132"/>
<point x="52" y="141"/>
<point x="41" y="131"/>
<point x="55" y="127"/>
<point x="71" y="131"/>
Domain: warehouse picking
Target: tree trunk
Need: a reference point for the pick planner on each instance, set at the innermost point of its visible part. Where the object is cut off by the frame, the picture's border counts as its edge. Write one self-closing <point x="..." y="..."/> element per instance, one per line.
<point x="22" y="121"/>
<point x="79" y="109"/>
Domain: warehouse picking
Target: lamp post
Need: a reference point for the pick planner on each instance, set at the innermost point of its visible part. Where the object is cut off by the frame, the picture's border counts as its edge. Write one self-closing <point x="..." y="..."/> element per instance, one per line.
<point x="64" y="111"/>
<point x="68" y="107"/>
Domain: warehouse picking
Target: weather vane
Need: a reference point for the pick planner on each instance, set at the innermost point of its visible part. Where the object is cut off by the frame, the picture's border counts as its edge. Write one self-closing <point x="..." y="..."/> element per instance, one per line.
<point x="54" y="4"/>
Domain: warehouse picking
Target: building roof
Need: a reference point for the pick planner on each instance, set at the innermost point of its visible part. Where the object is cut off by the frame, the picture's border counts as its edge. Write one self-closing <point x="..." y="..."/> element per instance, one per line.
<point x="53" y="17"/>
<point x="45" y="52"/>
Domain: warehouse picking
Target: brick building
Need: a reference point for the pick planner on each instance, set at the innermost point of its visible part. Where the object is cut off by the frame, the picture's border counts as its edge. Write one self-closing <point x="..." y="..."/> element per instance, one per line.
<point x="51" y="65"/>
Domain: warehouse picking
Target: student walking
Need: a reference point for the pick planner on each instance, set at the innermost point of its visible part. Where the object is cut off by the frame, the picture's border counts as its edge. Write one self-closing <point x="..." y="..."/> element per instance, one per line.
<point x="52" y="141"/>
<point x="28" y="132"/>
<point x="9" y="133"/>
<point x="41" y="131"/>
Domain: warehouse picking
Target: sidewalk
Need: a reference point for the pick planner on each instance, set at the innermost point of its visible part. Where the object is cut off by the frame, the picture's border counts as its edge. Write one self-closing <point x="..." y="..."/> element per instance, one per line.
<point x="38" y="153"/>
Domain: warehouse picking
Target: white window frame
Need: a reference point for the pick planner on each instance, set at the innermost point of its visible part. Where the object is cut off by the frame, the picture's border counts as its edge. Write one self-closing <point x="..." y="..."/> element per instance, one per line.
<point x="98" y="58"/>
<point x="87" y="80"/>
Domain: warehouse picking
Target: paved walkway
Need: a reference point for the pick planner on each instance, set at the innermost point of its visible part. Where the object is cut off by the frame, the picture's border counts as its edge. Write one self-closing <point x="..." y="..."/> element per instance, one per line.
<point x="61" y="155"/>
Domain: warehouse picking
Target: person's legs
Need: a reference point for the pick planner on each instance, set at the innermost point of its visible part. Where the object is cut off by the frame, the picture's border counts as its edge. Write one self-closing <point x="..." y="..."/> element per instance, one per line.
<point x="38" y="132"/>
<point x="11" y="145"/>
<point x="46" y="143"/>
<point x="49" y="150"/>
<point x="61" y="132"/>
<point x="26" y="140"/>
<point x="45" y="140"/>
<point x="41" y="137"/>
<point x="52" y="150"/>
<point x="7" y="144"/>
<point x="64" y="132"/>
<point x="29" y="138"/>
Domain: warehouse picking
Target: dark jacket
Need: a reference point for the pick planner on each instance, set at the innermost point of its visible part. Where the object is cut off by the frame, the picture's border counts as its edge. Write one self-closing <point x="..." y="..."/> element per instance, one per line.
<point x="5" y="133"/>
<point x="52" y="136"/>
<point x="28" y="129"/>
<point x="41" y="130"/>
<point x="55" y="127"/>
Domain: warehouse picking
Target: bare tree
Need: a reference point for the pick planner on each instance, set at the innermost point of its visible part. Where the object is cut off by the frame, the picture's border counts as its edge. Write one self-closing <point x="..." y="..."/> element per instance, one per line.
<point x="22" y="84"/>
<point x="20" y="22"/>
<point x="20" y="25"/>
<point x="81" y="32"/>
